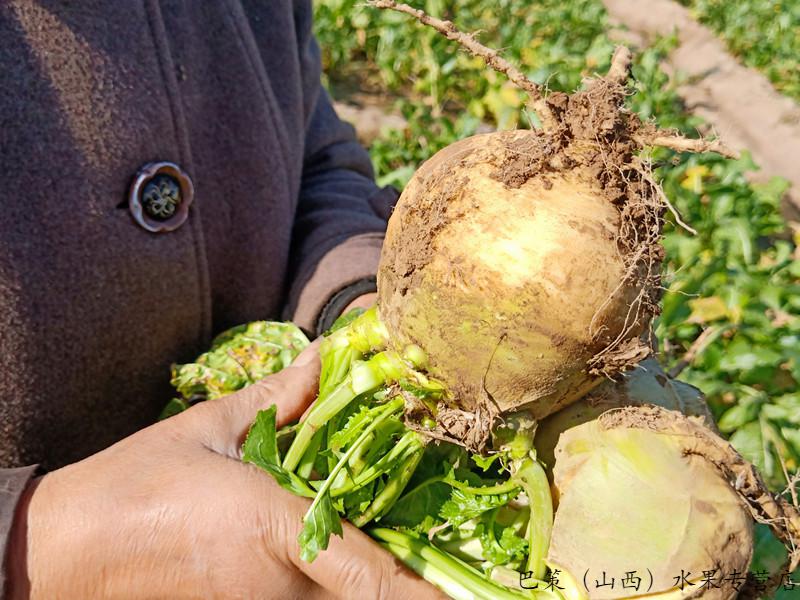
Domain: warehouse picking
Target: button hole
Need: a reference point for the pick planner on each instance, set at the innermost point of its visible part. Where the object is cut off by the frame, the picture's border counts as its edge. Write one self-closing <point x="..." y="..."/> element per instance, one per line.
<point x="123" y="204"/>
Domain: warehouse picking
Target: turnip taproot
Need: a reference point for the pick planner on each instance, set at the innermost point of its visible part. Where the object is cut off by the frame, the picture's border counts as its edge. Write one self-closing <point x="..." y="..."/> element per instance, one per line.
<point x="511" y="277"/>
<point x="526" y="263"/>
<point x="630" y="501"/>
<point x="647" y="383"/>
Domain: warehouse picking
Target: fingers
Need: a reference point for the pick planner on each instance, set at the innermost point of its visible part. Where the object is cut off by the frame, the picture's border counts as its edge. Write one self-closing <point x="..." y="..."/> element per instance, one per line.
<point x="291" y="390"/>
<point x="363" y="301"/>
<point x="356" y="567"/>
<point x="300" y="385"/>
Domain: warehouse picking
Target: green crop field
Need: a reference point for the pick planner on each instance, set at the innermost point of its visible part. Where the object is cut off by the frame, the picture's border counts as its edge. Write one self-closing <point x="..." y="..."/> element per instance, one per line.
<point x="736" y="283"/>
<point x="764" y="34"/>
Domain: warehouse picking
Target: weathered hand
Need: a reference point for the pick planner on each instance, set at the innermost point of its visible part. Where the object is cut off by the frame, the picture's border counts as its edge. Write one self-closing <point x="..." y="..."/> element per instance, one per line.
<point x="363" y="301"/>
<point x="171" y="512"/>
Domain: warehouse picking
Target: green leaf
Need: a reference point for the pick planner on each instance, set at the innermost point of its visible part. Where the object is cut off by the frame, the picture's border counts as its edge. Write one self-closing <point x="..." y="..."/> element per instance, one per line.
<point x="463" y="506"/>
<point x="509" y="549"/>
<point x="318" y="527"/>
<point x="354" y="426"/>
<point x="706" y="310"/>
<point x="486" y="462"/>
<point x="747" y="440"/>
<point x="418" y="509"/>
<point x="197" y="380"/>
<point x="792" y="435"/>
<point x="738" y="415"/>
<point x="261" y="449"/>
<point x="285" y="335"/>
<point x="358" y="501"/>
<point x="238" y="357"/>
<point x="741" y="355"/>
<point x="431" y="489"/>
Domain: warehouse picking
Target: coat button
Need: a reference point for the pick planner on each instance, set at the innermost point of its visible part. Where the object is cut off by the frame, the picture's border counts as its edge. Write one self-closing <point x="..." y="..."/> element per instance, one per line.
<point x="160" y="197"/>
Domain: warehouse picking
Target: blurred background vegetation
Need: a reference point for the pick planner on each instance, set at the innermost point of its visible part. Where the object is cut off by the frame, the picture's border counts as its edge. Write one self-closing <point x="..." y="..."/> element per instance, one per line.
<point x="732" y="292"/>
<point x="764" y="34"/>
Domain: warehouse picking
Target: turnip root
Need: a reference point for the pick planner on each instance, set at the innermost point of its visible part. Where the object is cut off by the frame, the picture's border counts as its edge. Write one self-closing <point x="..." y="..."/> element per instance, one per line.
<point x="646" y="384"/>
<point x="509" y="275"/>
<point x="526" y="263"/>
<point x="647" y="488"/>
<point x="630" y="501"/>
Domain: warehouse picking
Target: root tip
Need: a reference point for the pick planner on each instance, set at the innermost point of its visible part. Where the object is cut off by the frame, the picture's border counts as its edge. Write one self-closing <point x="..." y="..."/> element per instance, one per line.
<point x="682" y="144"/>
<point x="620" y="69"/>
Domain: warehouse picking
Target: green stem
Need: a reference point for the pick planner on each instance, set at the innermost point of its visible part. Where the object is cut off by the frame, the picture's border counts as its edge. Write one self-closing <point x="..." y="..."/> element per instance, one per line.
<point x="468" y="548"/>
<point x="336" y="363"/>
<point x="410" y="440"/>
<point x="438" y="577"/>
<point x="364" y="376"/>
<point x="446" y="571"/>
<point x="389" y="409"/>
<point x="332" y="428"/>
<point x="532" y="479"/>
<point x="359" y="460"/>
<point x="398" y="480"/>
<point x="320" y="413"/>
<point x="310" y="456"/>
<point x="490" y="490"/>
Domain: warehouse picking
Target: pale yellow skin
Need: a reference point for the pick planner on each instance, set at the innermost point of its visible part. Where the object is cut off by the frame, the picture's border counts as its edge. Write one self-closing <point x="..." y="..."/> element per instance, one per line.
<point x="630" y="500"/>
<point x="518" y="288"/>
<point x="647" y="383"/>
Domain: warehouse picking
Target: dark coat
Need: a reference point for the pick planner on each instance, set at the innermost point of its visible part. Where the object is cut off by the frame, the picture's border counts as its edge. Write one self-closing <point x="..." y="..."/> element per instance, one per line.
<point x="94" y="308"/>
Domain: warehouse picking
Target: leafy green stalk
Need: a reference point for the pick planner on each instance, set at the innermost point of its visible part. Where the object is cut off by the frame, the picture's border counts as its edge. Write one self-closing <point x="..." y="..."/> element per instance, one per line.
<point x="398" y="480"/>
<point x="389" y="409"/>
<point x="306" y="465"/>
<point x="440" y="577"/>
<point x="320" y="413"/>
<point x="322" y="519"/>
<point x="506" y="549"/>
<point x="336" y="362"/>
<point x="506" y="487"/>
<point x="454" y="576"/>
<point x="467" y="502"/>
<point x="532" y="479"/>
<point x="261" y="449"/>
<point x="364" y="376"/>
<point x="409" y="444"/>
<point x="468" y="548"/>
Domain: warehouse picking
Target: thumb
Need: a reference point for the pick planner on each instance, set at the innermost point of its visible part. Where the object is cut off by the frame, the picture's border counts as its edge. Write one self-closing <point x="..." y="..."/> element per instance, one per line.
<point x="291" y="390"/>
<point x="356" y="567"/>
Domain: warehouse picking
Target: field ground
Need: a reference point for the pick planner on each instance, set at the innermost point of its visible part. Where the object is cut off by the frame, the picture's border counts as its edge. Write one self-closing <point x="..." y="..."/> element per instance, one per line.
<point x="732" y="297"/>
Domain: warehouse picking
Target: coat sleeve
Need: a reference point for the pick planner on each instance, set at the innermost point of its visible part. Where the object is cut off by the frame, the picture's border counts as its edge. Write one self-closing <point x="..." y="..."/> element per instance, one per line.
<point x="341" y="215"/>
<point x="12" y="484"/>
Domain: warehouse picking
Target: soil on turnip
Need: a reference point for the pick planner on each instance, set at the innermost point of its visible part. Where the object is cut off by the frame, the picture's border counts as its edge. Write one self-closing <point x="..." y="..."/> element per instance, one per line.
<point x="596" y="139"/>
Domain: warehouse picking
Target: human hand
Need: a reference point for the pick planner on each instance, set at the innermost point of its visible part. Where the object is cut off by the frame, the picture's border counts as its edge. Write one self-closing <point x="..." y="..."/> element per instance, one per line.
<point x="172" y="512"/>
<point x="363" y="301"/>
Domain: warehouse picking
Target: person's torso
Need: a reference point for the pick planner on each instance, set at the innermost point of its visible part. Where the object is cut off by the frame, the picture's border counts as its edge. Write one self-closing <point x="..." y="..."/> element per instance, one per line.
<point x="94" y="308"/>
